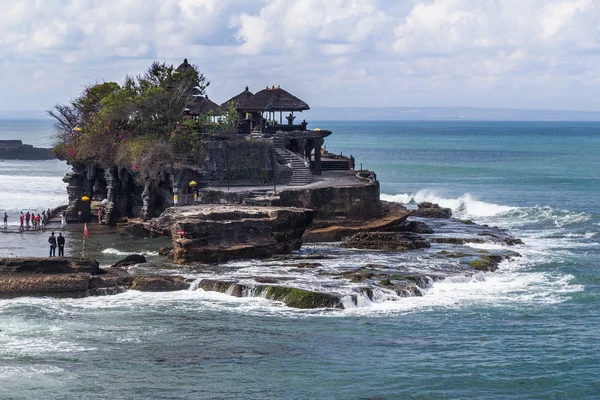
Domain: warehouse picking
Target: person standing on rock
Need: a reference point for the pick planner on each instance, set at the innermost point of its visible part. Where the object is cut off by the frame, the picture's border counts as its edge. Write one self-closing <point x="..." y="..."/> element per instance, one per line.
<point x="61" y="244"/>
<point x="5" y="220"/>
<point x="52" y="241"/>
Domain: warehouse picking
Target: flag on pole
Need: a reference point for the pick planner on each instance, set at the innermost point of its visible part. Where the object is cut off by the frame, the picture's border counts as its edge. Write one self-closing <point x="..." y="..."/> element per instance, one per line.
<point x="85" y="231"/>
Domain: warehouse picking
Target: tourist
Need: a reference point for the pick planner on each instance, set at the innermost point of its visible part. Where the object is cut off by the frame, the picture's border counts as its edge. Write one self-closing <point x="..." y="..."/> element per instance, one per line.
<point x="63" y="219"/>
<point x="5" y="220"/>
<point x="27" y="218"/>
<point x="21" y="219"/>
<point x="52" y="241"/>
<point x="38" y="221"/>
<point x="61" y="244"/>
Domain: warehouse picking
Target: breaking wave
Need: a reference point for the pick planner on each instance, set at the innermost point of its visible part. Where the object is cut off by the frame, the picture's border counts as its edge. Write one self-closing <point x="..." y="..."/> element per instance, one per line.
<point x="466" y="206"/>
<point x="110" y="250"/>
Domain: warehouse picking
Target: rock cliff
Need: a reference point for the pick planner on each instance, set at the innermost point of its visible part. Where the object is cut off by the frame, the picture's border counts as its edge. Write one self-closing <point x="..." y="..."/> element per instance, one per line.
<point x="217" y="233"/>
<point x="16" y="150"/>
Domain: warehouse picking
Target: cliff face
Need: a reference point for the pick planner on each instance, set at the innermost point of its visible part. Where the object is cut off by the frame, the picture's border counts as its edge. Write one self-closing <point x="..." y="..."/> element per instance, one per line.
<point x="353" y="202"/>
<point x="126" y="196"/>
<point x="16" y="150"/>
<point x="217" y="233"/>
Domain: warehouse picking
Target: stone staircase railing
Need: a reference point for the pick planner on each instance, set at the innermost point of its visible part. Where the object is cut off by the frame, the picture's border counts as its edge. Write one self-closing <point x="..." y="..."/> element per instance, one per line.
<point x="301" y="173"/>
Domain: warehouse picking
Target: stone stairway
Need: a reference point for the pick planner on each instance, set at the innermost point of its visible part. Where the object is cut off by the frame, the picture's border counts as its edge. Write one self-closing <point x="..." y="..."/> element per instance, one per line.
<point x="301" y="173"/>
<point x="278" y="142"/>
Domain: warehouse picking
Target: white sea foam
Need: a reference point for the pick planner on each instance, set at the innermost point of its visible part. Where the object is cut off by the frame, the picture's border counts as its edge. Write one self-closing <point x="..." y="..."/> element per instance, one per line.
<point x="465" y="205"/>
<point x="110" y="250"/>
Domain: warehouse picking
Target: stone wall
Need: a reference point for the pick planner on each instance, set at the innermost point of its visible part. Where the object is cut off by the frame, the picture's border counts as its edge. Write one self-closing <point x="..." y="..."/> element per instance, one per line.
<point x="356" y="202"/>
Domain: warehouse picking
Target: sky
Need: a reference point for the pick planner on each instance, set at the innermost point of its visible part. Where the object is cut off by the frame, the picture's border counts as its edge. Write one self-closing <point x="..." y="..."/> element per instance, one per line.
<point x="533" y="54"/>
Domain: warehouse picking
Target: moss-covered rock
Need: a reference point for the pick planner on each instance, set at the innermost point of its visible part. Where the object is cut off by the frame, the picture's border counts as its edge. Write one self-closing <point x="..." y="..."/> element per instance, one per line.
<point x="301" y="298"/>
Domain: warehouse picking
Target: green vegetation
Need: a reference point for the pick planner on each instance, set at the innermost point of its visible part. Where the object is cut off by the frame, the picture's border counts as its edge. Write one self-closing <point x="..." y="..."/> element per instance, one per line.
<point x="140" y="125"/>
<point x="484" y="264"/>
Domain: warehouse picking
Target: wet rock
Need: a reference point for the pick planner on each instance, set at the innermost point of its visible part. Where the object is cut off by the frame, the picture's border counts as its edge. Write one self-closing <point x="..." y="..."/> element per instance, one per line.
<point x="159" y="283"/>
<point x="109" y="284"/>
<point x="431" y="210"/>
<point x="300" y="298"/>
<point x="292" y="297"/>
<point x="389" y="241"/>
<point x="131" y="259"/>
<point x="48" y="265"/>
<point x="417" y="227"/>
<point x="334" y="230"/>
<point x="166" y="251"/>
<point x="53" y="284"/>
<point x="266" y="279"/>
<point x="308" y="265"/>
<point x="218" y="233"/>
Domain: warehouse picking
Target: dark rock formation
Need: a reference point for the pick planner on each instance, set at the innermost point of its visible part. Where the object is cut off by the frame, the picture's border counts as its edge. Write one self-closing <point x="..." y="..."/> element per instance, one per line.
<point x="386" y="241"/>
<point x="51" y="265"/>
<point x="155" y="283"/>
<point x="16" y="150"/>
<point x="334" y="230"/>
<point x="355" y="202"/>
<point x="76" y="277"/>
<point x="131" y="259"/>
<point x="55" y="284"/>
<point x="430" y="210"/>
<point x="417" y="227"/>
<point x="292" y="297"/>
<point x="220" y="233"/>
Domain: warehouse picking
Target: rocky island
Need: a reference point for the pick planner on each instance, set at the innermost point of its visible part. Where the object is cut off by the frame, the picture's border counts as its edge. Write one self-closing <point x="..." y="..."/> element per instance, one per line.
<point x="16" y="150"/>
<point x="232" y="182"/>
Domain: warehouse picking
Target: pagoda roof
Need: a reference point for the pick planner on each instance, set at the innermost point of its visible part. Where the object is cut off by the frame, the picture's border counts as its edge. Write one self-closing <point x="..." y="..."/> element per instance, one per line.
<point x="246" y="94"/>
<point x="272" y="99"/>
<point x="184" y="66"/>
<point x="201" y="105"/>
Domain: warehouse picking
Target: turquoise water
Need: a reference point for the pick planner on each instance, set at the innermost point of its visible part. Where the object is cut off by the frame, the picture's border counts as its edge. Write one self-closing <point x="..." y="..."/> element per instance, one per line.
<point x="529" y="330"/>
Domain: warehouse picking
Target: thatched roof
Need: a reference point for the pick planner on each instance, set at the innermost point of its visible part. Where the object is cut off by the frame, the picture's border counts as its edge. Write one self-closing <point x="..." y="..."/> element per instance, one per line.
<point x="201" y="105"/>
<point x="239" y="98"/>
<point x="184" y="66"/>
<point x="272" y="99"/>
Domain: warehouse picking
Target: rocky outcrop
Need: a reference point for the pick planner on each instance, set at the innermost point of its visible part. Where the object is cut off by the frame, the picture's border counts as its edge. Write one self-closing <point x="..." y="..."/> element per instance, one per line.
<point x="16" y="150"/>
<point x="334" y="230"/>
<point x="430" y="210"/>
<point x="212" y="234"/>
<point x="389" y="241"/>
<point x="50" y="265"/>
<point x="76" y="277"/>
<point x="131" y="259"/>
<point x="359" y="202"/>
<point x="155" y="283"/>
<point x="292" y="297"/>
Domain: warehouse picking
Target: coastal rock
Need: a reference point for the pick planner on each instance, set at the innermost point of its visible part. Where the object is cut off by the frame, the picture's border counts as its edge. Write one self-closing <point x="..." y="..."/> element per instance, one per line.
<point x="431" y="210"/>
<point x="109" y="284"/>
<point x="387" y="241"/>
<point x="417" y="227"/>
<point x="53" y="284"/>
<point x="16" y="150"/>
<point x="292" y="297"/>
<point x="334" y="230"/>
<point x="359" y="202"/>
<point x="219" y="233"/>
<point x="48" y="265"/>
<point x="131" y="259"/>
<point x="155" y="283"/>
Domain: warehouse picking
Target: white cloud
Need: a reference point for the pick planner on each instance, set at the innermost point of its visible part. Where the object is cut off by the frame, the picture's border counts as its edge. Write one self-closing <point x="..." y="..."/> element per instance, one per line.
<point x="521" y="53"/>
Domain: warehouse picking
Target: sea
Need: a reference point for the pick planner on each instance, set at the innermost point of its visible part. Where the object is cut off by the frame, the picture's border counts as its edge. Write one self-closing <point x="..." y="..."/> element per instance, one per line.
<point x="530" y="330"/>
